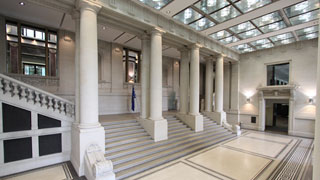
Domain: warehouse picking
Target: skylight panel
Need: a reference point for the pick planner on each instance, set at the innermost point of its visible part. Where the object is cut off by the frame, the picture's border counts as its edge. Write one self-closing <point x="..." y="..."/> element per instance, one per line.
<point x="220" y="35"/>
<point x="264" y="46"/>
<point x="249" y="34"/>
<point x="281" y="37"/>
<point x="226" y="13"/>
<point x="285" y="41"/>
<point x="229" y="40"/>
<point x="202" y="24"/>
<point x="302" y="7"/>
<point x="304" y="17"/>
<point x="307" y="30"/>
<point x="260" y="42"/>
<point x="267" y="19"/>
<point x="242" y="27"/>
<point x="308" y="36"/>
<point x="156" y="4"/>
<point x="249" y="5"/>
<point x="273" y="27"/>
<point x="208" y="6"/>
<point x="187" y="16"/>
<point x="241" y="47"/>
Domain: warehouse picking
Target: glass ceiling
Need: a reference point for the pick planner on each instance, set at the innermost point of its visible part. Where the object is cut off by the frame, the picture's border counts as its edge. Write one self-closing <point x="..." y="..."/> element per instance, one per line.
<point x="206" y="14"/>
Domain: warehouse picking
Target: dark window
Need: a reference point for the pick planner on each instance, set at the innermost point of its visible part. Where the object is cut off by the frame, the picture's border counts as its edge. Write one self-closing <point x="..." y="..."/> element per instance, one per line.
<point x="131" y="61"/>
<point x="46" y="122"/>
<point x="17" y="149"/>
<point x="278" y="74"/>
<point x="31" y="50"/>
<point x="50" y="144"/>
<point x="15" y="119"/>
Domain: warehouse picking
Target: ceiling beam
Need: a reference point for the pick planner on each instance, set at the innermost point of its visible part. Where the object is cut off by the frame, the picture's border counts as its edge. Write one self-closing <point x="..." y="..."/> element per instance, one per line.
<point x="252" y="15"/>
<point x="176" y="6"/>
<point x="282" y="31"/>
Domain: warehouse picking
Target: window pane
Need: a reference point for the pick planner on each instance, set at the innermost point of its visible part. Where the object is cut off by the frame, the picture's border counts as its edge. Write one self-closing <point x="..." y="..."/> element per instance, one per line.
<point x="40" y="35"/>
<point x="30" y="33"/>
<point x="250" y="34"/>
<point x="264" y="46"/>
<point x="242" y="27"/>
<point x="278" y="74"/>
<point x="260" y="42"/>
<point x="302" y="7"/>
<point x="220" y="35"/>
<point x="228" y="40"/>
<point x="304" y="17"/>
<point x="308" y="36"/>
<point x="285" y="41"/>
<point x="11" y="29"/>
<point x="225" y="14"/>
<point x="281" y="37"/>
<point x="248" y="5"/>
<point x="208" y="6"/>
<point x="267" y="19"/>
<point x="158" y="4"/>
<point x="273" y="27"/>
<point x="187" y="16"/>
<point x="52" y="38"/>
<point x="202" y="24"/>
<point x="307" y="30"/>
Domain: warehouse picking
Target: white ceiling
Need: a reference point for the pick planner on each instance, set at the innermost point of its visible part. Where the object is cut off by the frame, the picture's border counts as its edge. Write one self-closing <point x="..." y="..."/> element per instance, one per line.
<point x="42" y="16"/>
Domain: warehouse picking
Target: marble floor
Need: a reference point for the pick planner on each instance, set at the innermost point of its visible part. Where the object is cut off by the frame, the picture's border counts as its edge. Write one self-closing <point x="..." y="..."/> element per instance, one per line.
<point x="251" y="156"/>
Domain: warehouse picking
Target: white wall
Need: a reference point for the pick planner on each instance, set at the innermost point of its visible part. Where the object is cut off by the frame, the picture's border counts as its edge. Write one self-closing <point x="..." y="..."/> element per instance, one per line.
<point x="303" y="58"/>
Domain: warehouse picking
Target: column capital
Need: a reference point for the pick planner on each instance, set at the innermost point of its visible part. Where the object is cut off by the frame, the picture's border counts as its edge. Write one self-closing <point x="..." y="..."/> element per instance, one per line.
<point x="157" y="31"/>
<point x="88" y="5"/>
<point x="145" y="37"/>
<point x="75" y="14"/>
<point x="195" y="46"/>
<point x="183" y="49"/>
<point x="221" y="55"/>
<point x="209" y="58"/>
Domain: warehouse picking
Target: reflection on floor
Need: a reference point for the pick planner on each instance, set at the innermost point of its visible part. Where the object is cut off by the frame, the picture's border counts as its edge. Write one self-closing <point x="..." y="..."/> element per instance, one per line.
<point x="254" y="155"/>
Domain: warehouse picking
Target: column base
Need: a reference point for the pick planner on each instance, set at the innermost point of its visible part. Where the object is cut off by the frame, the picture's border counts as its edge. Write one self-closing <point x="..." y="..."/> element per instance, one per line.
<point x="157" y="129"/>
<point x="195" y="122"/>
<point x="81" y="140"/>
<point x="219" y="117"/>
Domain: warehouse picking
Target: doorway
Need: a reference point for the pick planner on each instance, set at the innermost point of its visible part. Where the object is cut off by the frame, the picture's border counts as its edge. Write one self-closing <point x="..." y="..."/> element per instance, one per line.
<point x="277" y="116"/>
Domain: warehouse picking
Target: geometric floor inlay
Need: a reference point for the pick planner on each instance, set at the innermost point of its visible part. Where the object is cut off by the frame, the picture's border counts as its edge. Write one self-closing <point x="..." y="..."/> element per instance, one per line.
<point x="231" y="163"/>
<point x="258" y="146"/>
<point x="186" y="173"/>
<point x="269" y="137"/>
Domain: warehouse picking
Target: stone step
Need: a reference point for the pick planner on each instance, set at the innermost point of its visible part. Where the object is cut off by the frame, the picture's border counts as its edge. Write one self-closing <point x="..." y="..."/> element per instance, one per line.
<point x="125" y="132"/>
<point x="118" y="122"/>
<point x="127" y="146"/>
<point x="174" y="121"/>
<point x="124" y="128"/>
<point x="175" y="124"/>
<point x="170" y="132"/>
<point x="179" y="134"/>
<point x="124" y="137"/>
<point x="191" y="137"/>
<point x="179" y="126"/>
<point x="148" y="162"/>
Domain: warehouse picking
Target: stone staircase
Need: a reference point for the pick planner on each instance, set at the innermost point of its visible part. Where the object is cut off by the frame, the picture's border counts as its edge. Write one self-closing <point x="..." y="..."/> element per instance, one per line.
<point x="132" y="150"/>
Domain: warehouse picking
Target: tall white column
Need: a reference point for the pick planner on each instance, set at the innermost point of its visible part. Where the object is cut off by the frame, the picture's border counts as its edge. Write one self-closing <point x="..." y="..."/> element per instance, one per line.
<point x="145" y="81"/>
<point x="219" y="85"/>
<point x="89" y="130"/>
<point x="76" y="17"/>
<point x="155" y="125"/>
<point x="194" y="80"/>
<point x="209" y="85"/>
<point x="184" y="80"/>
<point x="316" y="155"/>
<point x="156" y="75"/>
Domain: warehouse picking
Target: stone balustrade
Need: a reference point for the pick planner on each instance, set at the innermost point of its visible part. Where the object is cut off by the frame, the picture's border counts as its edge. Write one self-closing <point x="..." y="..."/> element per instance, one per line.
<point x="34" y="95"/>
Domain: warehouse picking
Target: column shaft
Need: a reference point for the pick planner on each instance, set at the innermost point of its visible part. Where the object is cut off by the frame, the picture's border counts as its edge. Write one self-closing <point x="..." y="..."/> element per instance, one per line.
<point x="219" y="85"/>
<point x="156" y="76"/>
<point x="76" y="17"/>
<point x="209" y="85"/>
<point x="145" y="73"/>
<point x="194" y="80"/>
<point x="88" y="69"/>
<point x="316" y="162"/>
<point x="184" y="81"/>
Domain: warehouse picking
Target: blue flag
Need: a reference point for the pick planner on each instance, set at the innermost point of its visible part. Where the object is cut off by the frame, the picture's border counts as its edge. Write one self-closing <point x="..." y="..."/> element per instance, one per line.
<point x="133" y="96"/>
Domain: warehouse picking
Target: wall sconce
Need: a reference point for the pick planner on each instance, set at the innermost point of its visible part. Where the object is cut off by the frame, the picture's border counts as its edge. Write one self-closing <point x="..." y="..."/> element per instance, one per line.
<point x="117" y="50"/>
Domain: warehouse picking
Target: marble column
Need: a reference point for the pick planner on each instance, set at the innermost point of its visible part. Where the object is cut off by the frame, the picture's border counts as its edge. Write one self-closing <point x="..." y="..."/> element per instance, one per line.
<point x="219" y="115"/>
<point x="145" y="65"/>
<point x="155" y="125"/>
<point x="76" y="17"/>
<point x="194" y="119"/>
<point x="184" y="81"/>
<point x="209" y="85"/>
<point x="89" y="130"/>
<point x="316" y="155"/>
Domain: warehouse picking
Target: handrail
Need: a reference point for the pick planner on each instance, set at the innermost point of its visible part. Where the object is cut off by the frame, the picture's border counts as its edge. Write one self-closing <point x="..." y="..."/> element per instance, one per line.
<point x="35" y="95"/>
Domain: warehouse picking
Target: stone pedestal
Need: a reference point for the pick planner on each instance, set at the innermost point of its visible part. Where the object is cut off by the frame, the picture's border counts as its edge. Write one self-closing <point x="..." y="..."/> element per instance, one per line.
<point x="195" y="122"/>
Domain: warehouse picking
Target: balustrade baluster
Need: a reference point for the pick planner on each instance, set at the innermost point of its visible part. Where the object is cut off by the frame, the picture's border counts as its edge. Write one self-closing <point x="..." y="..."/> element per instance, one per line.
<point x="62" y="108"/>
<point x="7" y="88"/>
<point x="23" y="93"/>
<point x="37" y="99"/>
<point x="43" y="100"/>
<point x="15" y="90"/>
<point x="50" y="104"/>
<point x="56" y="104"/>
<point x="1" y="85"/>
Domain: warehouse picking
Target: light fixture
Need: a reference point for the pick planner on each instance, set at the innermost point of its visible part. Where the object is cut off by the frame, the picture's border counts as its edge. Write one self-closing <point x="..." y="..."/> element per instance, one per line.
<point x="104" y="28"/>
<point x="310" y="100"/>
<point x="22" y="3"/>
<point x="168" y="12"/>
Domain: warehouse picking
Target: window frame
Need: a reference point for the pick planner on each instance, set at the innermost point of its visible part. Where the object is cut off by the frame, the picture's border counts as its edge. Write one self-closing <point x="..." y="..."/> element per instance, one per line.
<point x="278" y="63"/>
<point x="126" y="59"/>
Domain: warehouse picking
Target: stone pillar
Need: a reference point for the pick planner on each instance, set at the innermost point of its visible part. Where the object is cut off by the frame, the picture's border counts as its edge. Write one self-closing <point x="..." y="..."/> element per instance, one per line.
<point x="184" y="81"/>
<point x="234" y="88"/>
<point x="209" y="85"/>
<point x="316" y="155"/>
<point x="193" y="119"/>
<point x="145" y="65"/>
<point x="156" y="125"/>
<point x="89" y="131"/>
<point x="262" y="115"/>
<point x="76" y="17"/>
